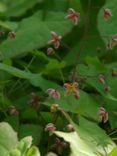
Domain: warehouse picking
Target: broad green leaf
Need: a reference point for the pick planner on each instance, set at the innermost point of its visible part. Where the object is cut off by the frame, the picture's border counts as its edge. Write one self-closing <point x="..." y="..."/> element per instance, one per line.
<point x="100" y="88"/>
<point x="31" y="130"/>
<point x="16" y="8"/>
<point x="88" y="40"/>
<point x="98" y="136"/>
<point x="91" y="72"/>
<point x="34" y="32"/>
<point x="56" y="5"/>
<point x="35" y="79"/>
<point x="29" y="114"/>
<point x="9" y="25"/>
<point x="107" y="27"/>
<point x="2" y="7"/>
<point x="8" y="138"/>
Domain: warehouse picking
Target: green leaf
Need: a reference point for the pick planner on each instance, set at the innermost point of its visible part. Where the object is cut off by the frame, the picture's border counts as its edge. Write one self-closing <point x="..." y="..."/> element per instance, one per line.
<point x="8" y="138"/>
<point x="9" y="25"/>
<point x="107" y="28"/>
<point x="35" y="79"/>
<point x="34" y="32"/>
<point x="31" y="130"/>
<point x="18" y="8"/>
<point x="2" y="7"/>
<point x="24" y="148"/>
<point x="100" y="88"/>
<point x="33" y="151"/>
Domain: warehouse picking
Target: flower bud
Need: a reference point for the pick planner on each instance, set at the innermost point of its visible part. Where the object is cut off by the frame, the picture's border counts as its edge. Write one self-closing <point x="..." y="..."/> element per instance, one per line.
<point x="50" y="51"/>
<point x="13" y="111"/>
<point x="114" y="71"/>
<point x="70" y="127"/>
<point x="53" y="93"/>
<point x="12" y="34"/>
<point x="50" y="127"/>
<point x="101" y="78"/>
<point x="107" y="89"/>
<point x="54" y="108"/>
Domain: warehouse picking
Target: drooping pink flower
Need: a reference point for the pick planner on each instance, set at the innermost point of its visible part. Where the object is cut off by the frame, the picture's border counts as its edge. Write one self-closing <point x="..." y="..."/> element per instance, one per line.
<point x="73" y="15"/>
<point x="53" y="93"/>
<point x="103" y="114"/>
<point x="55" y="40"/>
<point x="107" y="13"/>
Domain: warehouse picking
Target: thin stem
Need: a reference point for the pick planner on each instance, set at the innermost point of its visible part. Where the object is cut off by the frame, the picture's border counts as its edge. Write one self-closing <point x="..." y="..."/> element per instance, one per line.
<point x="113" y="132"/>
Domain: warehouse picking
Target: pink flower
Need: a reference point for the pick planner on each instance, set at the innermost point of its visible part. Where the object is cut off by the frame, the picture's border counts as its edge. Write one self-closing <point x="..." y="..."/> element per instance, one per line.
<point x="50" y="127"/>
<point x="55" y="40"/>
<point x="53" y="93"/>
<point x="73" y="15"/>
<point x="107" y="13"/>
<point x="103" y="114"/>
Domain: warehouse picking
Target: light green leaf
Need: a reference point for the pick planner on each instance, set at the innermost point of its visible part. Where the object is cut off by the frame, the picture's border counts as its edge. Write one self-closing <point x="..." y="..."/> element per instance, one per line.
<point x="33" y="151"/>
<point x="77" y="145"/>
<point x="113" y="152"/>
<point x="8" y="138"/>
